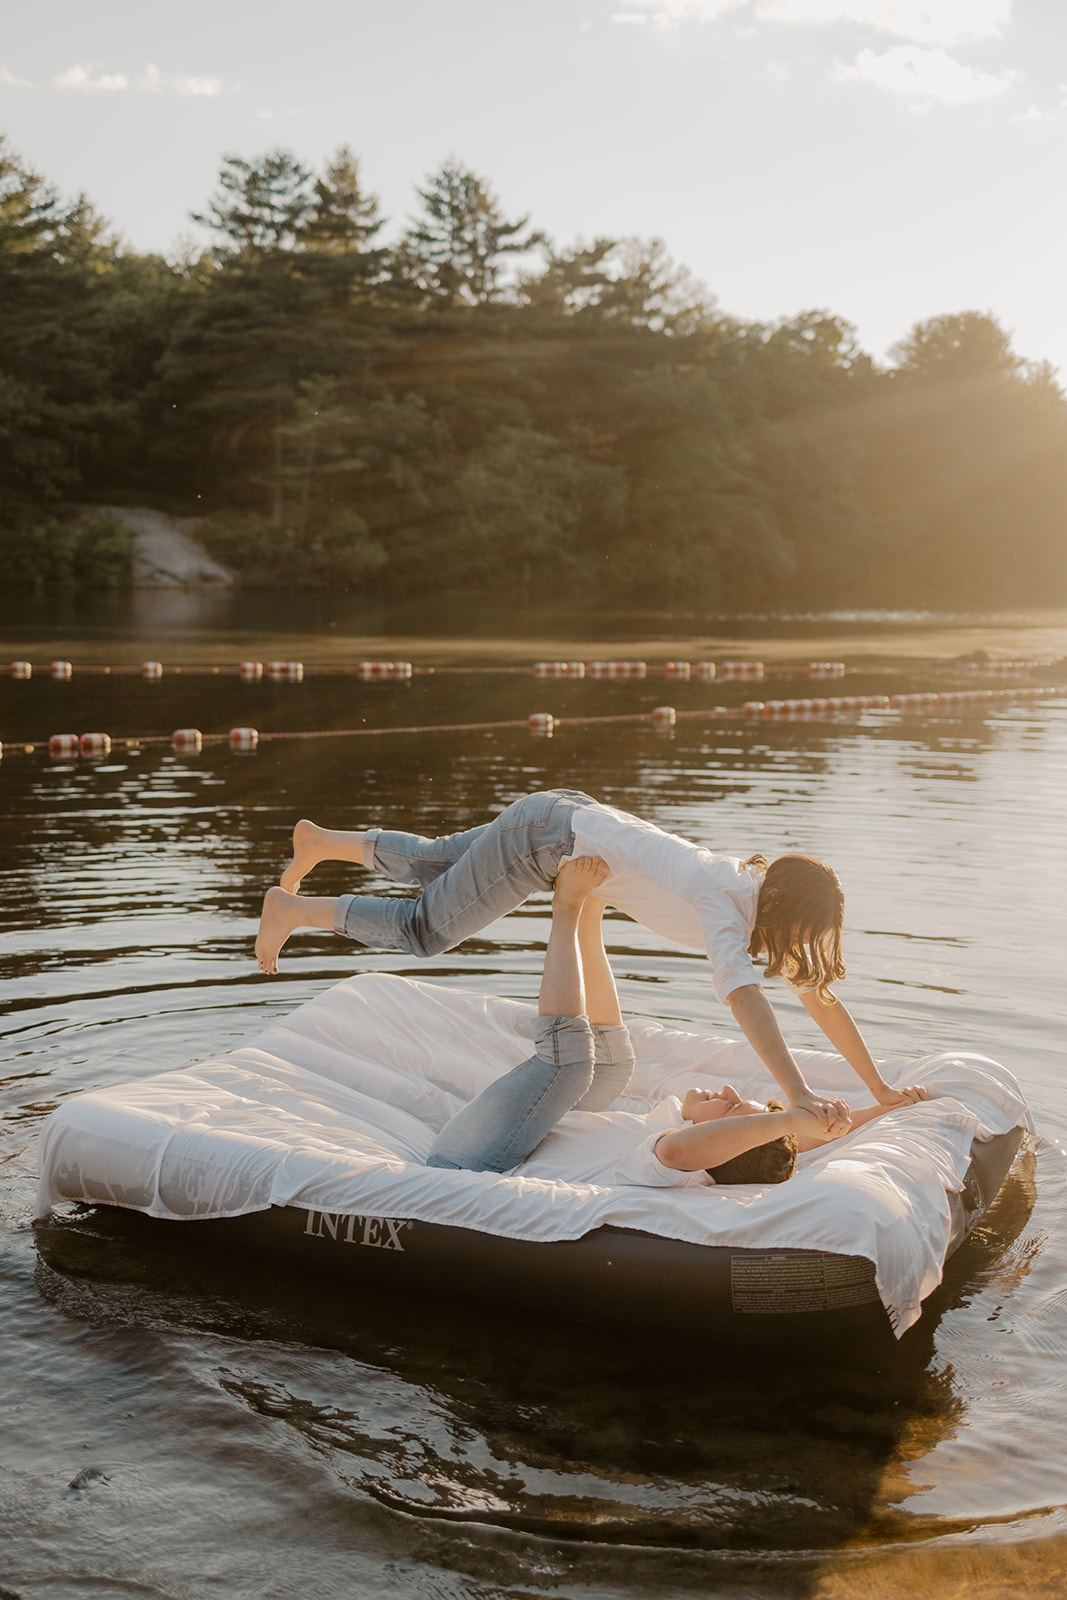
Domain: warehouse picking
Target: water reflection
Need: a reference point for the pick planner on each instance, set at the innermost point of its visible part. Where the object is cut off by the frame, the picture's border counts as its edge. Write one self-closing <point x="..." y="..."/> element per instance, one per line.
<point x="421" y="1450"/>
<point x="569" y="1433"/>
<point x="219" y="617"/>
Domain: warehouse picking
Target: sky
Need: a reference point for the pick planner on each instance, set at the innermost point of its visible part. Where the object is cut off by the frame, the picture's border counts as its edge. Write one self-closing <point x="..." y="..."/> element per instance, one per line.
<point x="886" y="160"/>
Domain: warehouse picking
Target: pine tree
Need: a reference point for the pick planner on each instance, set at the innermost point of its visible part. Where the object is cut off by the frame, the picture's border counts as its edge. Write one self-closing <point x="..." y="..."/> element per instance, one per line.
<point x="965" y="345"/>
<point x="455" y="253"/>
<point x="572" y="282"/>
<point x="275" y="309"/>
<point x="345" y="217"/>
<point x="647" y="289"/>
<point x="57" y="278"/>
<point x="261" y="207"/>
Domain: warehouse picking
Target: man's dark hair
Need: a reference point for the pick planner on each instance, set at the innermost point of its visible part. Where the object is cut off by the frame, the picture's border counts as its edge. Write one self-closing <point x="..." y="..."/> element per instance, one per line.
<point x="772" y="1162"/>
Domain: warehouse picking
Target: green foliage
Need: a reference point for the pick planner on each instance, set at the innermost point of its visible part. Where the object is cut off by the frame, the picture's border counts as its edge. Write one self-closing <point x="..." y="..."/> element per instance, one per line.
<point x="454" y="253"/>
<point x="338" y="551"/>
<point x="93" y="554"/>
<point x="521" y="501"/>
<point x="261" y="206"/>
<point x="102" y="554"/>
<point x="967" y="346"/>
<point x="646" y="289"/>
<point x="571" y="282"/>
<point x="969" y="474"/>
<point x="80" y="328"/>
<point x="344" y="218"/>
<point x="476" y="406"/>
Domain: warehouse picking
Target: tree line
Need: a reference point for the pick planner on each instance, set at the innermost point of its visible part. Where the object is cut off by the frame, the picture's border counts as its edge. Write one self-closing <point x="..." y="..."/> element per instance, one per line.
<point x="475" y="406"/>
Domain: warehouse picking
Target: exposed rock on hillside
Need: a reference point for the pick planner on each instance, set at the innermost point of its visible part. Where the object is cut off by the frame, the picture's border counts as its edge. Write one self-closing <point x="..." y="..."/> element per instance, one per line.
<point x="166" y="552"/>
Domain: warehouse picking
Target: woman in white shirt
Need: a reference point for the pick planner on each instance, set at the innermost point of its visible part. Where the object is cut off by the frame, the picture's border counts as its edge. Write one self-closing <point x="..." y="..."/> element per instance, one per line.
<point x="789" y="910"/>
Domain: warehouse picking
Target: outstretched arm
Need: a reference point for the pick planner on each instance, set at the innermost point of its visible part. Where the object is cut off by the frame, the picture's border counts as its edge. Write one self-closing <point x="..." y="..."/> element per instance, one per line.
<point x="709" y="1144"/>
<point x="753" y="1015"/>
<point x="858" y="1119"/>
<point x="840" y="1029"/>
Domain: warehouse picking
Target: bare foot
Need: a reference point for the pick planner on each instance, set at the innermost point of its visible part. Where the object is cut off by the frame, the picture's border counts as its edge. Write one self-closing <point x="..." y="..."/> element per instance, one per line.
<point x="307" y="838"/>
<point x="312" y="844"/>
<point x="282" y="913"/>
<point x="578" y="879"/>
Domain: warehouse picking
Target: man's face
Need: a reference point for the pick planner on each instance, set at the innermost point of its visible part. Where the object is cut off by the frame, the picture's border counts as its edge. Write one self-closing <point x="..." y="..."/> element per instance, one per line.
<point x="732" y="1104"/>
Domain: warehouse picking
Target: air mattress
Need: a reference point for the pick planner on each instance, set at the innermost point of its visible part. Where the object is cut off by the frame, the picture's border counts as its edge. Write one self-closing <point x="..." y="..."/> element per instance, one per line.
<point x="309" y="1143"/>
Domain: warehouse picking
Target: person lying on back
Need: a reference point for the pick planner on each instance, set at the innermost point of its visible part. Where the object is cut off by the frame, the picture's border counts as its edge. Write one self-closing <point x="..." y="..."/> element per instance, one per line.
<point x="709" y="1137"/>
<point x="523" y="1122"/>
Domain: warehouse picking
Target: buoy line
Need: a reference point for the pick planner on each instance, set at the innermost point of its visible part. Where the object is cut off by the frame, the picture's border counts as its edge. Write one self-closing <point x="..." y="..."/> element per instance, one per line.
<point x="192" y="740"/>
<point x="403" y="671"/>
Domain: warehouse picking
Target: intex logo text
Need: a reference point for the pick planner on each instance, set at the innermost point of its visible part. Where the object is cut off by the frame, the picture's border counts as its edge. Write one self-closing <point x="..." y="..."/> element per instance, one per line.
<point x="381" y="1233"/>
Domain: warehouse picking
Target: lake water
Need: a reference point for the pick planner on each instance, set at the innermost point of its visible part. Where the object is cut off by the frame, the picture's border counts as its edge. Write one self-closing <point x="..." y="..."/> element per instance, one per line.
<point x="174" y="1428"/>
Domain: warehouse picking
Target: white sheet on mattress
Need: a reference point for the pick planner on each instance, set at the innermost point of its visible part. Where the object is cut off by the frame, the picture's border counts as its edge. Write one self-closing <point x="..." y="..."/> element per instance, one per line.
<point x="334" y="1109"/>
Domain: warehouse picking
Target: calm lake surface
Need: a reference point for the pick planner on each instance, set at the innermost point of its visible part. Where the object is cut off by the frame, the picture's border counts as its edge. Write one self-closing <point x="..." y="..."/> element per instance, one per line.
<point x="181" y="1428"/>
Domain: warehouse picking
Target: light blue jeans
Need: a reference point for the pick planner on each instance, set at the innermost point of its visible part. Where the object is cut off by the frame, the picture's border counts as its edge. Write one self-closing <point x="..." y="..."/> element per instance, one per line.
<point x="576" y="1065"/>
<point x="469" y="880"/>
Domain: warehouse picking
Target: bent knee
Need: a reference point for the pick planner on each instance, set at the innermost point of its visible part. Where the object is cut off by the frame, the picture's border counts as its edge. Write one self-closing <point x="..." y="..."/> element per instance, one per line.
<point x="565" y="1041"/>
<point x="426" y="942"/>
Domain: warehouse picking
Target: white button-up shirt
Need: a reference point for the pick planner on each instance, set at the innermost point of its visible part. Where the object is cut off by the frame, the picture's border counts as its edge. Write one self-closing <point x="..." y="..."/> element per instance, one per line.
<point x="680" y="890"/>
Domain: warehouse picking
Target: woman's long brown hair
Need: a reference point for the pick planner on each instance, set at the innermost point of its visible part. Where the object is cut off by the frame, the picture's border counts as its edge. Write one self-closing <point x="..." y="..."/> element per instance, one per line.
<point x="799" y="917"/>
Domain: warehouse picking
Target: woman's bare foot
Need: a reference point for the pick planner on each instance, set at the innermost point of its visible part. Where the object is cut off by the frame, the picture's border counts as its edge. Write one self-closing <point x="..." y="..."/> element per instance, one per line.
<point x="578" y="879"/>
<point x="280" y="917"/>
<point x="312" y="844"/>
<point x="282" y="914"/>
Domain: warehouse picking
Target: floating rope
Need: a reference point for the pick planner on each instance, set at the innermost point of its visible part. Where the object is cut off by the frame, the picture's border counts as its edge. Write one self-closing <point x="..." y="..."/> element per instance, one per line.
<point x="403" y="671"/>
<point x="192" y="740"/>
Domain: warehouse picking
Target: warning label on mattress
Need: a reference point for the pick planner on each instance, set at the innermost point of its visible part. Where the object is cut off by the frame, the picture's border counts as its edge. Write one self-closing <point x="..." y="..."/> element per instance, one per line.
<point x="783" y="1281"/>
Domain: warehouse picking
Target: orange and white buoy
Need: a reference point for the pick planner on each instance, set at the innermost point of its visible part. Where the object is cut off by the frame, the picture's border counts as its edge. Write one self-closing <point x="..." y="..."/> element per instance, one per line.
<point x="251" y="671"/>
<point x="541" y="722"/>
<point x="384" y="669"/>
<point x="908" y="702"/>
<point x="151" y="669"/>
<point x="21" y="669"/>
<point x="62" y="669"/>
<point x="618" y="669"/>
<point x="664" y="716"/>
<point x="64" y="744"/>
<point x="187" y="740"/>
<point x="286" y="671"/>
<point x="95" y="745"/>
<point x="997" y="666"/>
<point x="244" y="738"/>
<point x="678" y="669"/>
<point x="740" y="669"/>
